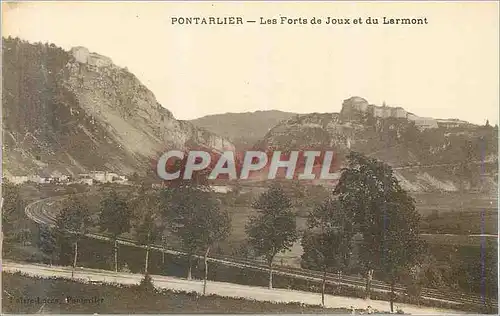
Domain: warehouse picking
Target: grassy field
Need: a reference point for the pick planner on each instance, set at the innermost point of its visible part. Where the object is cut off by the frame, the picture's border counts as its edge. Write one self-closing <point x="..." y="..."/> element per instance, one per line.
<point x="236" y="242"/>
<point x="458" y="224"/>
<point x="461" y="222"/>
<point x="460" y="240"/>
<point x="455" y="202"/>
<point x="109" y="299"/>
<point x="30" y="192"/>
<point x="444" y="247"/>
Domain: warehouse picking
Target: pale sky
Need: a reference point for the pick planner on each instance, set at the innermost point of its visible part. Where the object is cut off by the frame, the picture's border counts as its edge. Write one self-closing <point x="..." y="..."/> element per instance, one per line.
<point x="448" y="68"/>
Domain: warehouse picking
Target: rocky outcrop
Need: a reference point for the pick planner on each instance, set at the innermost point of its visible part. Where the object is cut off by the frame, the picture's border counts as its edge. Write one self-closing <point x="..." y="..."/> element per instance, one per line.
<point x="448" y="155"/>
<point x="77" y="111"/>
<point x="117" y="99"/>
<point x="310" y="131"/>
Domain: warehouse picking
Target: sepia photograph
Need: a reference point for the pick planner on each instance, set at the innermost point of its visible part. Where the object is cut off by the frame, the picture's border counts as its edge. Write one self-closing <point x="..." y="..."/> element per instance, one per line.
<point x="249" y="157"/>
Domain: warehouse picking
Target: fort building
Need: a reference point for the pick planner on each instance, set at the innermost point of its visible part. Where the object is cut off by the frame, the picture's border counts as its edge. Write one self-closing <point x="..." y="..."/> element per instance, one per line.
<point x="84" y="56"/>
<point x="354" y="106"/>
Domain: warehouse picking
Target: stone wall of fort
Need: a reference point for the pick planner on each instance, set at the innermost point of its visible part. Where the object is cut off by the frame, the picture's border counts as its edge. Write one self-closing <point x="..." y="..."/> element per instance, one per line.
<point x="354" y="106"/>
<point x="84" y="56"/>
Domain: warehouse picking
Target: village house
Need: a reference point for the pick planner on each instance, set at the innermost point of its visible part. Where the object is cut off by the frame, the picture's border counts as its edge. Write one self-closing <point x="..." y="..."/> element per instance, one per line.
<point x="85" y="181"/>
<point x="103" y="177"/>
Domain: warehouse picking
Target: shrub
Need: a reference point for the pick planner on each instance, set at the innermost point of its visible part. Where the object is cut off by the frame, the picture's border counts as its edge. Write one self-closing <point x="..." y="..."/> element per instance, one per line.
<point x="146" y="284"/>
<point x="125" y="268"/>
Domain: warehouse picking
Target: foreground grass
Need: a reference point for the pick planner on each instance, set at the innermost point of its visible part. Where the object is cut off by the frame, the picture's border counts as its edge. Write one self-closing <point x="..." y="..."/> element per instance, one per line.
<point x="107" y="298"/>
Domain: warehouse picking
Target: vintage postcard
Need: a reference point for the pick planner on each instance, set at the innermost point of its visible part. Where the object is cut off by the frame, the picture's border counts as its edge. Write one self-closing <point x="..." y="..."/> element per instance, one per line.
<point x="250" y="157"/>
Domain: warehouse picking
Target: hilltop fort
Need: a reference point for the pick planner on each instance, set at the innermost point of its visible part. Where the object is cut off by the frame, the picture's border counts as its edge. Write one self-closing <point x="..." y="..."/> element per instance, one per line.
<point x="84" y="56"/>
<point x="353" y="107"/>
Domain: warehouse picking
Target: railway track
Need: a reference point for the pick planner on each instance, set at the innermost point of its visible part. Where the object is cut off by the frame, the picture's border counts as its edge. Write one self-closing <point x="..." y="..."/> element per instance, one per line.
<point x="38" y="211"/>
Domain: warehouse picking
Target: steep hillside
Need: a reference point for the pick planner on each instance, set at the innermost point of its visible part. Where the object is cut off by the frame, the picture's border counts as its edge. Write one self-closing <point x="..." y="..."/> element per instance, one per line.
<point x="70" y="112"/>
<point x="427" y="154"/>
<point x="243" y="129"/>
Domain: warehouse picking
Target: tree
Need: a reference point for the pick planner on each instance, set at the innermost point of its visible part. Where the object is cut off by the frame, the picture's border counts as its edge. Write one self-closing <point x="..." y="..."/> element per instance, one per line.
<point x="164" y="246"/>
<point x="180" y="202"/>
<point x="384" y="214"/>
<point x="146" y="284"/>
<point x="315" y="193"/>
<point x="236" y="188"/>
<point x="23" y="236"/>
<point x="327" y="242"/>
<point x="274" y="229"/>
<point x="215" y="227"/>
<point x="196" y="219"/>
<point x="232" y="195"/>
<point x="11" y="204"/>
<point x="148" y="222"/>
<point x="298" y="191"/>
<point x="48" y="242"/>
<point x="424" y="274"/>
<point x="114" y="218"/>
<point x="72" y="223"/>
<point x="414" y="137"/>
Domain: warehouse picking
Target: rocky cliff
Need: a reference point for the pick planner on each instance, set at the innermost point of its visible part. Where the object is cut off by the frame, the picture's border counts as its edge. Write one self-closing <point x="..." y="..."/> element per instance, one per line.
<point x="70" y="112"/>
